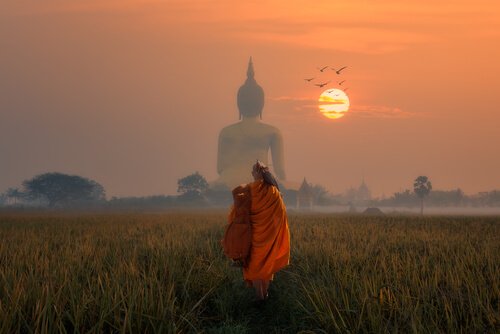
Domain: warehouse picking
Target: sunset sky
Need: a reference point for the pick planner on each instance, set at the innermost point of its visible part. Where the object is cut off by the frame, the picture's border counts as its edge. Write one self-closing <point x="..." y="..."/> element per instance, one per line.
<point x="133" y="93"/>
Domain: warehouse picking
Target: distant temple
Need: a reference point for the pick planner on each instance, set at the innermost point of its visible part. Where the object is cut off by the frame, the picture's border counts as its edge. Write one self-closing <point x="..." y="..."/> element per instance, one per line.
<point x="364" y="194"/>
<point x="359" y="195"/>
<point x="305" y="196"/>
<point x="248" y="140"/>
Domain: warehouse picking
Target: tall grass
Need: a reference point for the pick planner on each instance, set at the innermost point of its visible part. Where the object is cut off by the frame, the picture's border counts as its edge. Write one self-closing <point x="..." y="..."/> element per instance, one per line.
<point x="406" y="274"/>
<point x="165" y="273"/>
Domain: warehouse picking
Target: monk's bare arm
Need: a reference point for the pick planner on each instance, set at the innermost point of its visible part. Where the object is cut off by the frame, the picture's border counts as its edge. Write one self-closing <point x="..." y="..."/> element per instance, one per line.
<point x="278" y="155"/>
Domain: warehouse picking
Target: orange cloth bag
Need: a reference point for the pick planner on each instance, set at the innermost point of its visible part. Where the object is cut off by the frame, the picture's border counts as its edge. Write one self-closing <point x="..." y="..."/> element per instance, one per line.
<point x="237" y="239"/>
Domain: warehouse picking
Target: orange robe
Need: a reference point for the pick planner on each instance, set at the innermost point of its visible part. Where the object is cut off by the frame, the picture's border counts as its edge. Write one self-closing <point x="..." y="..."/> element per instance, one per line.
<point x="270" y="249"/>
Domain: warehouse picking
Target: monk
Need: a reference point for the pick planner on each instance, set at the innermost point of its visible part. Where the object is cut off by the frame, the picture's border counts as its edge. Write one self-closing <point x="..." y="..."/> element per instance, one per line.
<point x="270" y="247"/>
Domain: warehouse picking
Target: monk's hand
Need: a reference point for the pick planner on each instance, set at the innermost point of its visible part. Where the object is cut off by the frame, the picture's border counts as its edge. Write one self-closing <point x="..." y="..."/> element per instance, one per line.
<point x="239" y="189"/>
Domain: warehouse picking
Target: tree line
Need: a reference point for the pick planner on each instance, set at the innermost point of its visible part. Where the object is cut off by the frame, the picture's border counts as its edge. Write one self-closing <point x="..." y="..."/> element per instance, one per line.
<point x="58" y="190"/>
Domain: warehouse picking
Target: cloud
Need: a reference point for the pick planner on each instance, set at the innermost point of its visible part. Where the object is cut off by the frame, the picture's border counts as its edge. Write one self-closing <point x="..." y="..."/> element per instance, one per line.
<point x="380" y="112"/>
<point x="303" y="109"/>
<point x="363" y="40"/>
<point x="290" y="98"/>
<point x="381" y="27"/>
<point x="333" y="102"/>
<point x="300" y="106"/>
<point x="297" y="104"/>
<point x="30" y="7"/>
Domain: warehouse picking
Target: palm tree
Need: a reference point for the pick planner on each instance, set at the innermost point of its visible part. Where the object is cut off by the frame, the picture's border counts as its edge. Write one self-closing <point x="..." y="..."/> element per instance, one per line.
<point x="422" y="187"/>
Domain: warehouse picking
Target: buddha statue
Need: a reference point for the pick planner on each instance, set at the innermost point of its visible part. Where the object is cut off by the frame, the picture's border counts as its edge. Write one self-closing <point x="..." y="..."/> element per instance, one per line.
<point x="248" y="140"/>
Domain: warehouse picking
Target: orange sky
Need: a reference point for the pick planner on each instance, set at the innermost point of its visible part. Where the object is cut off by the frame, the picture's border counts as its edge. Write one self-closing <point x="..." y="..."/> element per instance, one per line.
<point x="134" y="93"/>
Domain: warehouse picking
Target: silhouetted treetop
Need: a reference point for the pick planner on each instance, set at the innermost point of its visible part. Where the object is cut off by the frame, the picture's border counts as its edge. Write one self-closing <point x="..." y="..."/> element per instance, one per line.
<point x="62" y="189"/>
<point x="194" y="183"/>
<point x="422" y="186"/>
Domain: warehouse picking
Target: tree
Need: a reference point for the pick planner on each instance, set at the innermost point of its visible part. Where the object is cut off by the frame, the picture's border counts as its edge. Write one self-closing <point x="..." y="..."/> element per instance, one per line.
<point x="446" y="197"/>
<point x="62" y="189"/>
<point x="14" y="195"/>
<point x="321" y="196"/>
<point x="219" y="195"/>
<point x="404" y="198"/>
<point x="422" y="187"/>
<point x="192" y="186"/>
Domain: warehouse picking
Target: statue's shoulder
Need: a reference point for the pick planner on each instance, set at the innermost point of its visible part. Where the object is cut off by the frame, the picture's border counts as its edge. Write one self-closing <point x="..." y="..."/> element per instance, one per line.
<point x="228" y="130"/>
<point x="239" y="128"/>
<point x="270" y="128"/>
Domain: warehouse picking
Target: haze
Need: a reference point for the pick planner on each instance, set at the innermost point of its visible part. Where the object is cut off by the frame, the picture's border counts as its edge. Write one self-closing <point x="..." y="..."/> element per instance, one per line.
<point x="133" y="94"/>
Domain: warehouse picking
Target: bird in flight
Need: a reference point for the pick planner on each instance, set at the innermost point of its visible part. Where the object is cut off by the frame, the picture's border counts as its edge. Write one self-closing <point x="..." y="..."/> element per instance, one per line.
<point x="340" y="83"/>
<point x="321" y="69"/>
<point x="322" y="84"/>
<point x="309" y="79"/>
<point x="339" y="70"/>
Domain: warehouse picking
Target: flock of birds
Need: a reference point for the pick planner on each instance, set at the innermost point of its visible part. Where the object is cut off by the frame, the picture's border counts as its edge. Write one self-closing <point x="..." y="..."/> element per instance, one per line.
<point x="322" y="84"/>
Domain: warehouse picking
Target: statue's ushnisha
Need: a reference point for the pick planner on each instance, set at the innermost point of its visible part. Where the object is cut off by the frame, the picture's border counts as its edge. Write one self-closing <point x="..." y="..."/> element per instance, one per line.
<point x="242" y="143"/>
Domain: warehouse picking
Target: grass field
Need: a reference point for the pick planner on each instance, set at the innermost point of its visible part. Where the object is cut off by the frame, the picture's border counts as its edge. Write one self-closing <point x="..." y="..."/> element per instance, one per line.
<point x="165" y="273"/>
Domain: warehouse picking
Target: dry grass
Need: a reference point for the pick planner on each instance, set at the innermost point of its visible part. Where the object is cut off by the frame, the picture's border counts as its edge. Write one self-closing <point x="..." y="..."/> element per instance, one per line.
<point x="166" y="273"/>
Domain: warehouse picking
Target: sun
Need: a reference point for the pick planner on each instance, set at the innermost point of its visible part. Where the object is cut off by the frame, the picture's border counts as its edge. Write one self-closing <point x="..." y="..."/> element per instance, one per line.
<point x="333" y="103"/>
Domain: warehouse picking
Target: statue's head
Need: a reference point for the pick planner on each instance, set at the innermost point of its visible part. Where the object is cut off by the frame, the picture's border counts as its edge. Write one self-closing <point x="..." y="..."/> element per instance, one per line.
<point x="250" y="95"/>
